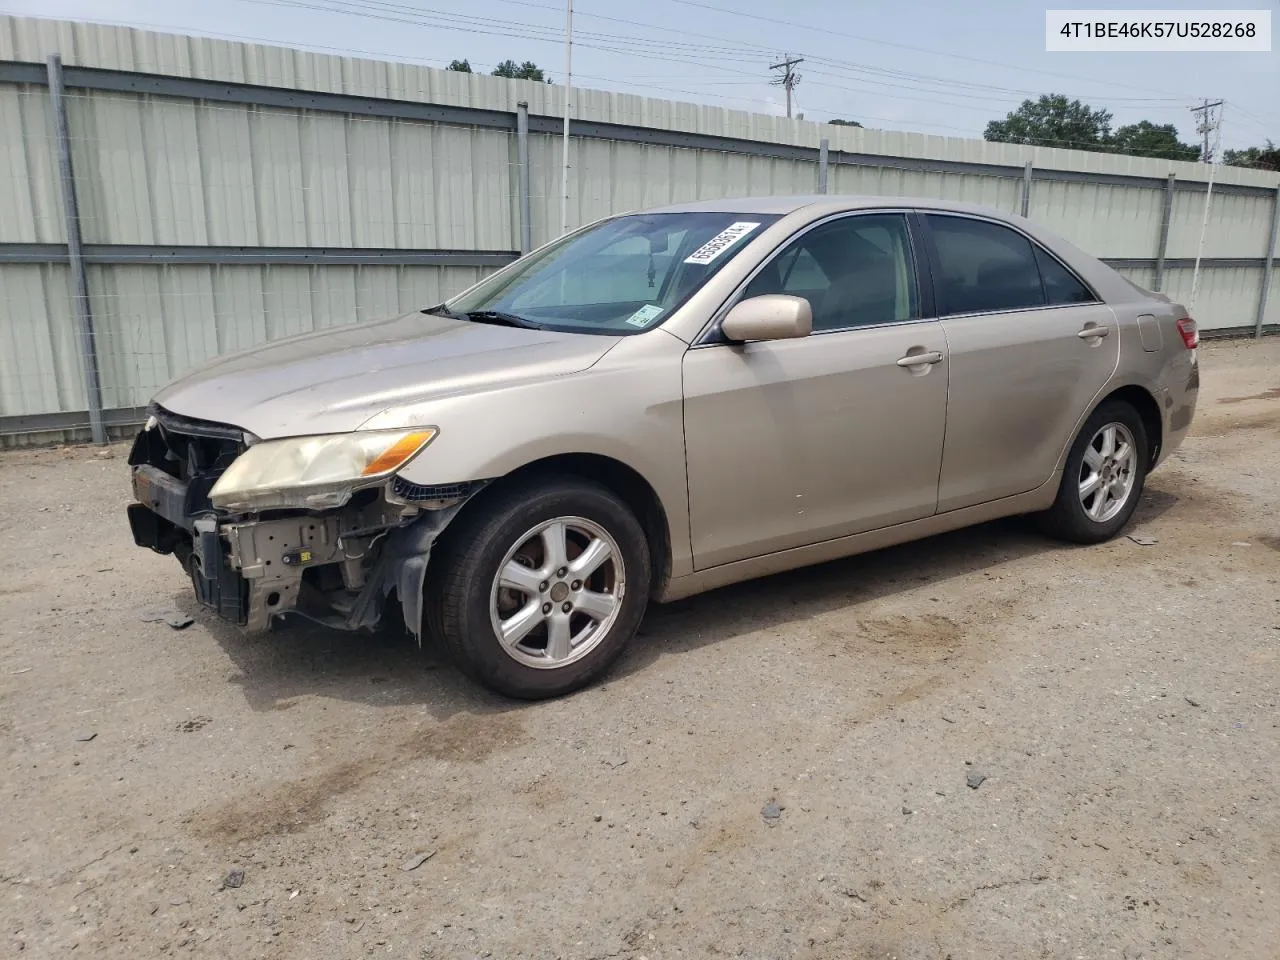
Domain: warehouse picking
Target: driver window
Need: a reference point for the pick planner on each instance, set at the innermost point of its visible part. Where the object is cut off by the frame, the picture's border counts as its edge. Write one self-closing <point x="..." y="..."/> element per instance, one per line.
<point x="855" y="271"/>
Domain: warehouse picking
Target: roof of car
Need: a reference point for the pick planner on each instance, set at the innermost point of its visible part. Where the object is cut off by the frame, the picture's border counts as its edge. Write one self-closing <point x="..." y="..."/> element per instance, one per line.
<point x="785" y="205"/>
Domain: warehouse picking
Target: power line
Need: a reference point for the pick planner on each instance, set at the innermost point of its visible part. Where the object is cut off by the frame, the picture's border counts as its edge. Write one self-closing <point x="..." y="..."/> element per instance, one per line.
<point x="903" y="46"/>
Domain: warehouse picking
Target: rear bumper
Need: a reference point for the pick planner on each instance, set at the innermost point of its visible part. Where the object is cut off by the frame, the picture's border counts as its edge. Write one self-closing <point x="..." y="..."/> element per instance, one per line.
<point x="1181" y="393"/>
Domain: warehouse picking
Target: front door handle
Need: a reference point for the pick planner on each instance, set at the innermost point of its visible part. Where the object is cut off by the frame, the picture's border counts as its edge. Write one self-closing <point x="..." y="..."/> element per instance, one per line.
<point x="1088" y="333"/>
<point x="920" y="359"/>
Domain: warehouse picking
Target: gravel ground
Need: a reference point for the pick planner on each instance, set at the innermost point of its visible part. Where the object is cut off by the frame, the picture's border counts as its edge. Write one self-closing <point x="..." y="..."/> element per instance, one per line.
<point x="786" y="768"/>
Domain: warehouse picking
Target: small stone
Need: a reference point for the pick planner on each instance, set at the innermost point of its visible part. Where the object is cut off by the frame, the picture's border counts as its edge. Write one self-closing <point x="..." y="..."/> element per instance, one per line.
<point x="907" y="811"/>
<point x="84" y="737"/>
<point x="1193" y="702"/>
<point x="973" y="779"/>
<point x="597" y="818"/>
<point x="771" y="810"/>
<point x="233" y="879"/>
<point x="417" y="860"/>
<point x="179" y="621"/>
<point x="617" y="760"/>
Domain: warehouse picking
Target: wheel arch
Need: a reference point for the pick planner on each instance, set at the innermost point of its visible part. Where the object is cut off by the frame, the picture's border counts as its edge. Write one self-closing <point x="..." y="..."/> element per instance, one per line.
<point x="1141" y="399"/>
<point x="627" y="483"/>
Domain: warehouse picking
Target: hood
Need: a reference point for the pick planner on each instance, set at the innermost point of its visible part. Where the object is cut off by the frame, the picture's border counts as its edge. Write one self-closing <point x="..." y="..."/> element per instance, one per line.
<point x="332" y="381"/>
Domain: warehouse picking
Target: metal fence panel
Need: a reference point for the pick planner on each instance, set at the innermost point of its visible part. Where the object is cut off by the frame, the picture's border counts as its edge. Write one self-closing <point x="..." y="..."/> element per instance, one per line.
<point x="1227" y="299"/>
<point x="1238" y="226"/>
<point x="30" y="208"/>
<point x="1105" y="219"/>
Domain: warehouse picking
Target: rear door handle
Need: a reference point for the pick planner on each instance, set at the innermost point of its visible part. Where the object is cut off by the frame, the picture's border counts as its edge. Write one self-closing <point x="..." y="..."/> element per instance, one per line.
<point x="1088" y="333"/>
<point x="920" y="359"/>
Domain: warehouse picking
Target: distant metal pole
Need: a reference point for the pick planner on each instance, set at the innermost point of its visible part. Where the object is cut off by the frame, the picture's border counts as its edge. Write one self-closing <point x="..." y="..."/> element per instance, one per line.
<point x="1204" y="228"/>
<point x="1165" y="218"/>
<point x="75" y="254"/>
<point x="522" y="169"/>
<point x="1026" y="189"/>
<point x="568" y="93"/>
<point x="1270" y="262"/>
<point x="824" y="147"/>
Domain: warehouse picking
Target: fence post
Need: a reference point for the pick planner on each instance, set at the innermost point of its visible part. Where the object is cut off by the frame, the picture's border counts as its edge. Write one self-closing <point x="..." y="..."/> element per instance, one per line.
<point x="75" y="254"/>
<point x="1165" y="218"/>
<point x="1026" y="189"/>
<point x="522" y="164"/>
<point x="824" y="149"/>
<point x="1268" y="264"/>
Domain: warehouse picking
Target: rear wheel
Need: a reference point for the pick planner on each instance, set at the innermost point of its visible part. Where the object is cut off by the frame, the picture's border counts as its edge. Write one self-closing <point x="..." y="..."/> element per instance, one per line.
<point x="539" y="590"/>
<point x="1103" y="477"/>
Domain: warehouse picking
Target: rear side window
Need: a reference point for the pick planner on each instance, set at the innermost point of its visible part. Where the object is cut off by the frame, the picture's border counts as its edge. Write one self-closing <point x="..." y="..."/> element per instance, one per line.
<point x="1060" y="284"/>
<point x="983" y="267"/>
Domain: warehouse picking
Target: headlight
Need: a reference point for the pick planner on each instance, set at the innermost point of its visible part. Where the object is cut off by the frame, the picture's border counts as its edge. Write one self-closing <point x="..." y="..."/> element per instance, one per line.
<point x="314" y="473"/>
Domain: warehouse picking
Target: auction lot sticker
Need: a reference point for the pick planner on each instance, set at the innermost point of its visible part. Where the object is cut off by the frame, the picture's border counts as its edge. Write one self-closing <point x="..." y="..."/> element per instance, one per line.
<point x="721" y="242"/>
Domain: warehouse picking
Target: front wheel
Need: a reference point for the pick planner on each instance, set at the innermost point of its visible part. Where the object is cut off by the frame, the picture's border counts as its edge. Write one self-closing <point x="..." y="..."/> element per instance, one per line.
<point x="539" y="590"/>
<point x="1103" y="477"/>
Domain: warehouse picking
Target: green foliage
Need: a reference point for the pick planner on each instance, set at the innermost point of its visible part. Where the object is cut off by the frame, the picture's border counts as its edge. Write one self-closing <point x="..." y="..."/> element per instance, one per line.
<point x="522" y="71"/>
<point x="1146" y="139"/>
<point x="1260" y="158"/>
<point x="461" y="66"/>
<point x="1053" y="121"/>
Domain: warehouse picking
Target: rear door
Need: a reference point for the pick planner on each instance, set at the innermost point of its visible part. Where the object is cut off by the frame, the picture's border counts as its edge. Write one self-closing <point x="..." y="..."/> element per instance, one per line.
<point x="1030" y="346"/>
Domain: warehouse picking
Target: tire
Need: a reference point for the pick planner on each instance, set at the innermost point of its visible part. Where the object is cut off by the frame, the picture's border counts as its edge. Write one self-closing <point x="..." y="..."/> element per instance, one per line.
<point x="595" y="613"/>
<point x="1080" y="518"/>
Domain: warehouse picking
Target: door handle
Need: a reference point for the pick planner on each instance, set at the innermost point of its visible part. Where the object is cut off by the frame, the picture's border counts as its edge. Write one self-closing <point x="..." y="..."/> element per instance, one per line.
<point x="1089" y="333"/>
<point x="920" y="359"/>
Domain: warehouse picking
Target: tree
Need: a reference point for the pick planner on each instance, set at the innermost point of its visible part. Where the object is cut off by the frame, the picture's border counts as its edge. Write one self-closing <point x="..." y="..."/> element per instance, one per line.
<point x="1260" y="158"/>
<point x="1053" y="121"/>
<point x="1146" y="139"/>
<point x="524" y="71"/>
<point x="844" y="123"/>
<point x="461" y="66"/>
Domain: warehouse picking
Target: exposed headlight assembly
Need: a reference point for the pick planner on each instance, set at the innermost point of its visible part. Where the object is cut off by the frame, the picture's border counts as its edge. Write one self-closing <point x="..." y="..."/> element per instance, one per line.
<point x="315" y="473"/>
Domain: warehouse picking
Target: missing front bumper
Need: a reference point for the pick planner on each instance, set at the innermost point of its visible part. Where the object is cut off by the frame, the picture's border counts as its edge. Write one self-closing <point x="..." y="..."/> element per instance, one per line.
<point x="336" y="568"/>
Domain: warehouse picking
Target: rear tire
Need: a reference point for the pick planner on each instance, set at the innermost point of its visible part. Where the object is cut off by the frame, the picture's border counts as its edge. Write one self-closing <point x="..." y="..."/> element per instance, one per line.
<point x="1103" y="477"/>
<point x="537" y="591"/>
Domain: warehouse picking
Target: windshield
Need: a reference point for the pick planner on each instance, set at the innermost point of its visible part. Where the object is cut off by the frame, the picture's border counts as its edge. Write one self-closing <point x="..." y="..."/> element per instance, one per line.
<point x="625" y="275"/>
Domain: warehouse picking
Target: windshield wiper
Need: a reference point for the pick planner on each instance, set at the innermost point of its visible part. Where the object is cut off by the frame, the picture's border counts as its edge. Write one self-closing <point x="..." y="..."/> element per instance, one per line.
<point x="501" y="317"/>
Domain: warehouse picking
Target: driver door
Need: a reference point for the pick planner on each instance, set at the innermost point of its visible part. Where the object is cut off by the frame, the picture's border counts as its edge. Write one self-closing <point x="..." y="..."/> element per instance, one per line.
<point x="793" y="442"/>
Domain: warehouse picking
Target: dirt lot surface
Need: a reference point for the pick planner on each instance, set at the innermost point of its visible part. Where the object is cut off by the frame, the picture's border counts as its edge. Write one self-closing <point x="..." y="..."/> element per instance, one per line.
<point x="1121" y="702"/>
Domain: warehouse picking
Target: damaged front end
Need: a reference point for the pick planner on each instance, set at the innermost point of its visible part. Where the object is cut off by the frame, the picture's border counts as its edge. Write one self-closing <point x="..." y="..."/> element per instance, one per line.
<point x="337" y="565"/>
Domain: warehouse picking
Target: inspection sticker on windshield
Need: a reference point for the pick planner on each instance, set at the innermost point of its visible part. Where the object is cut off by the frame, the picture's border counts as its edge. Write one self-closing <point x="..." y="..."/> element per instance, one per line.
<point x="645" y="315"/>
<point x="721" y="242"/>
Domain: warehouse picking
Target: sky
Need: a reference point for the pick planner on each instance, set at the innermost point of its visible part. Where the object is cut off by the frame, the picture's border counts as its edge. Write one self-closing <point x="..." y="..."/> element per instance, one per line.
<point x="932" y="67"/>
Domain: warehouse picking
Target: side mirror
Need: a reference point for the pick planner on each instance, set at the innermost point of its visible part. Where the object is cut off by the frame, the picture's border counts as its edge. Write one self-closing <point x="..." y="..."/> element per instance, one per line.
<point x="773" y="316"/>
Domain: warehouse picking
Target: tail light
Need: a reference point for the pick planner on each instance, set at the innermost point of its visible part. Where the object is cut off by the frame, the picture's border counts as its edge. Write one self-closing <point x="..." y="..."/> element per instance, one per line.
<point x="1190" y="333"/>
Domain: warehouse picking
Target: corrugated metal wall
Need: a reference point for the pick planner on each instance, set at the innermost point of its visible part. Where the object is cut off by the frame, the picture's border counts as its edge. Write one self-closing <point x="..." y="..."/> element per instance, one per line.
<point x="168" y="170"/>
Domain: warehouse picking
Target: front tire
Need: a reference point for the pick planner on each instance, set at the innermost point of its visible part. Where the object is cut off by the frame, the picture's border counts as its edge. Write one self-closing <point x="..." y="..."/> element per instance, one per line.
<point x="1103" y="477"/>
<point x="538" y="590"/>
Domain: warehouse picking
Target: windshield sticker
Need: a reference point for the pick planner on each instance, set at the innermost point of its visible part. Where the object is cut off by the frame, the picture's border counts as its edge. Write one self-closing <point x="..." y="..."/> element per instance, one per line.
<point x="645" y="315"/>
<point x="721" y="242"/>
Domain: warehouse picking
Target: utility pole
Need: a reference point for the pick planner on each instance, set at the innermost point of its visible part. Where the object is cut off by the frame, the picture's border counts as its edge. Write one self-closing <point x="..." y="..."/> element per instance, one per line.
<point x="789" y="77"/>
<point x="568" y="95"/>
<point x="1207" y="123"/>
